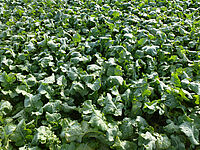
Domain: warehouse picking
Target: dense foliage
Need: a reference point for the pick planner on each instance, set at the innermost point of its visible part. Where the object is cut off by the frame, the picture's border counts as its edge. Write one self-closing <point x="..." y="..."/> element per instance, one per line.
<point x="99" y="75"/>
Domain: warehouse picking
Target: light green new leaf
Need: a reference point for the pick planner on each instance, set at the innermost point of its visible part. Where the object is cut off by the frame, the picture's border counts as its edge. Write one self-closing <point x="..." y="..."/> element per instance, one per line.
<point x="76" y="38"/>
<point x="7" y="78"/>
<point x="175" y="79"/>
<point x="114" y="71"/>
<point x="142" y="41"/>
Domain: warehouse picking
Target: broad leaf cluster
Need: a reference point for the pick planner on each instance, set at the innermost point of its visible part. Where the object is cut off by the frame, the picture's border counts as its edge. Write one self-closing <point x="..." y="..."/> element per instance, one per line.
<point x="103" y="74"/>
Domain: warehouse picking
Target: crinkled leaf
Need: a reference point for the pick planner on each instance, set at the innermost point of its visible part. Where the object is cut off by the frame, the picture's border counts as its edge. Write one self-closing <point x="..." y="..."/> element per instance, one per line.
<point x="74" y="131"/>
<point x="163" y="142"/>
<point x="115" y="80"/>
<point x="191" y="132"/>
<point x="111" y="106"/>
<point x="96" y="85"/>
<point x="149" y="140"/>
<point x="124" y="145"/>
<point x="5" y="107"/>
<point x="50" y="79"/>
<point x="95" y="117"/>
<point x="93" y="67"/>
<point x="62" y="81"/>
<point x="45" y="135"/>
<point x="54" y="117"/>
<point x="151" y="50"/>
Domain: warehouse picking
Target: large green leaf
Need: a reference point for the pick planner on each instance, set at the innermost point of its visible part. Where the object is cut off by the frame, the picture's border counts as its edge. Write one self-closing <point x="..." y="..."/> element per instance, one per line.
<point x="111" y="105"/>
<point x="99" y="74"/>
<point x="96" y="119"/>
<point x="96" y="85"/>
<point x="191" y="132"/>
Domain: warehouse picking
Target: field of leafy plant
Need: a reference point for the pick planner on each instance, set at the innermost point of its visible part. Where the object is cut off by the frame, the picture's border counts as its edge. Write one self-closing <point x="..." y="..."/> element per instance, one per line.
<point x="99" y="75"/>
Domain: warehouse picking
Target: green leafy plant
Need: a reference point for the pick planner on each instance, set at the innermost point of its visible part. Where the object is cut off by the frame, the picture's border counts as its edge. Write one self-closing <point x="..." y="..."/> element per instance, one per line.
<point x="99" y="75"/>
